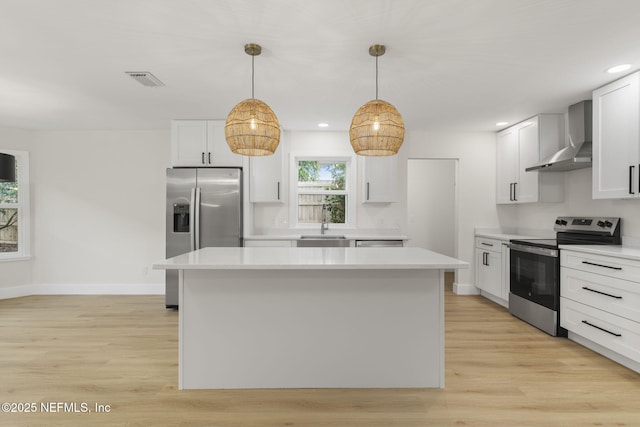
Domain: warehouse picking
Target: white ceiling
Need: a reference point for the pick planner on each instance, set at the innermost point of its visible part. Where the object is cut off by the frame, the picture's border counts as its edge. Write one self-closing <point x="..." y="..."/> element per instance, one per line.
<point x="450" y="64"/>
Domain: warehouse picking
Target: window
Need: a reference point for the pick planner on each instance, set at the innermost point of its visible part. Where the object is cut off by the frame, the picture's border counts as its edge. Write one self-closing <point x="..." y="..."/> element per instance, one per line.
<point x="323" y="182"/>
<point x="14" y="210"/>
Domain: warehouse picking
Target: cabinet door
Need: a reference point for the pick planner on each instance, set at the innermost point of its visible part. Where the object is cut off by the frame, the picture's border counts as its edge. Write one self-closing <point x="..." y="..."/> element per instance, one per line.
<point x="616" y="139"/>
<point x="380" y="179"/>
<point x="526" y="190"/>
<point x="489" y="272"/>
<point x="188" y="142"/>
<point x="218" y="152"/>
<point x="506" y="155"/>
<point x="266" y="183"/>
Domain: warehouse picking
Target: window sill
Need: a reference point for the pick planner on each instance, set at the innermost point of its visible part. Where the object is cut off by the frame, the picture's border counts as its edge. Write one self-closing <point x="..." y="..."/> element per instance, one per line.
<point x="15" y="258"/>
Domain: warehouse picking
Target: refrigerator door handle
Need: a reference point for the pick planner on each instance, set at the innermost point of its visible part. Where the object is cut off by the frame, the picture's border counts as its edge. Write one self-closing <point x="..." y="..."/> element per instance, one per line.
<point x="192" y="219"/>
<point x="197" y="218"/>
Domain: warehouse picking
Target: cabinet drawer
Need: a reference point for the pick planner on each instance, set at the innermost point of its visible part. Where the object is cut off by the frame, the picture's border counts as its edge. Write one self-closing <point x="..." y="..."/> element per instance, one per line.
<point x="488" y="244"/>
<point x="620" y="268"/>
<point x="615" y="333"/>
<point x="620" y="297"/>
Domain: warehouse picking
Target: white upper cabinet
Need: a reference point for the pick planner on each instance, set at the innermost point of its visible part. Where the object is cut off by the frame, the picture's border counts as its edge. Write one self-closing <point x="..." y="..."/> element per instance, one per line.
<point x="616" y="139"/>
<point x="266" y="178"/>
<point x="521" y="146"/>
<point x="380" y="179"/>
<point x="506" y="164"/>
<point x="201" y="143"/>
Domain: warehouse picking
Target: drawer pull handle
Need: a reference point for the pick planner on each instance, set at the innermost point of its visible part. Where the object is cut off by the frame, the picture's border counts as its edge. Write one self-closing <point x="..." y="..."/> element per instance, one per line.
<point x="601" y="293"/>
<point x="602" y="329"/>
<point x="487" y="244"/>
<point x="601" y="265"/>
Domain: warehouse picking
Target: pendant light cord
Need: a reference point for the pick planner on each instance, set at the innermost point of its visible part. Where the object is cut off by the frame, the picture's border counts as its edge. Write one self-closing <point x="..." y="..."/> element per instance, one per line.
<point x="253" y="59"/>
<point x="376" y="77"/>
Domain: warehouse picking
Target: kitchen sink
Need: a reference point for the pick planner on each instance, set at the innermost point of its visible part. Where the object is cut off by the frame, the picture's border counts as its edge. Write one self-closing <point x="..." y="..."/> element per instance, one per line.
<point x="323" y="241"/>
<point x="322" y="237"/>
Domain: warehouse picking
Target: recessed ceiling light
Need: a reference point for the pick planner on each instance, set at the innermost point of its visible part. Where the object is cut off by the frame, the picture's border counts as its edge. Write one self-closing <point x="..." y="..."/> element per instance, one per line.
<point x="618" y="68"/>
<point x="502" y="123"/>
<point x="323" y="125"/>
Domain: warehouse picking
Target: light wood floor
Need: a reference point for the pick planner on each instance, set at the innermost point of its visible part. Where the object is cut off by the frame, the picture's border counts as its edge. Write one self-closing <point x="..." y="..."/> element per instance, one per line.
<point x="122" y="351"/>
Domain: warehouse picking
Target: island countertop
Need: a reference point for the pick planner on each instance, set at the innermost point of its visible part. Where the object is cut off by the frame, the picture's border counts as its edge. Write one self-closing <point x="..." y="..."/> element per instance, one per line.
<point x="284" y="258"/>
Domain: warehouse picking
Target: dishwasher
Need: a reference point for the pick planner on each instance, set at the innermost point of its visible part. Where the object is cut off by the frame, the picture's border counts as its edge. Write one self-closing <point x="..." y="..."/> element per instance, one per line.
<point x="379" y="243"/>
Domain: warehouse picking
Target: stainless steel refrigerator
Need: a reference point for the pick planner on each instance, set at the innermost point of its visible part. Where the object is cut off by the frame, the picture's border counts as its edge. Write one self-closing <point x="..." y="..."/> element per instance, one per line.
<point x="204" y="208"/>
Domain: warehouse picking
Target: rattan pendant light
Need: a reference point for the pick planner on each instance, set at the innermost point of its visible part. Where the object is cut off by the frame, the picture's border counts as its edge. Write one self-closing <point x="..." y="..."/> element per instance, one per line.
<point x="377" y="128"/>
<point x="252" y="128"/>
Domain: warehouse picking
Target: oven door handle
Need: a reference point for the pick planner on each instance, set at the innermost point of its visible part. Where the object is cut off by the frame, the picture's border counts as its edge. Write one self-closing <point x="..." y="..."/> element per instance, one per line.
<point x="533" y="250"/>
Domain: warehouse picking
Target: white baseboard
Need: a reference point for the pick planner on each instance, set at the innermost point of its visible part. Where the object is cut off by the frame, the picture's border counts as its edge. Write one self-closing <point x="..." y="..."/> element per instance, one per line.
<point x="86" y="289"/>
<point x="465" y="289"/>
<point x="495" y="299"/>
<point x="624" y="361"/>
<point x="16" y="291"/>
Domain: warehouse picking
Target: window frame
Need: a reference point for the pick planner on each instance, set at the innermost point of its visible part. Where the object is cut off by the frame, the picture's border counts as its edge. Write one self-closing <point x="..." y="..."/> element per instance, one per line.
<point x="23" y="207"/>
<point x="349" y="191"/>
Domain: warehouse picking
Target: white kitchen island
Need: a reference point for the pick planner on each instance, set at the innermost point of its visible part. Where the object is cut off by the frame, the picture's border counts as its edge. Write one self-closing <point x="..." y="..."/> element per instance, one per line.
<point x="311" y="317"/>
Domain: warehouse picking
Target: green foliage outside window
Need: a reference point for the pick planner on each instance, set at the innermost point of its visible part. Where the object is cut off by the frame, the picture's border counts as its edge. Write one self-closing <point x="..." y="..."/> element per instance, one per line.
<point x="336" y="203"/>
<point x="308" y="171"/>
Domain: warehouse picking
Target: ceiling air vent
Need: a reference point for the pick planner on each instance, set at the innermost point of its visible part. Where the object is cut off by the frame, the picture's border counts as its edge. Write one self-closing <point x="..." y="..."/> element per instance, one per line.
<point x="145" y="78"/>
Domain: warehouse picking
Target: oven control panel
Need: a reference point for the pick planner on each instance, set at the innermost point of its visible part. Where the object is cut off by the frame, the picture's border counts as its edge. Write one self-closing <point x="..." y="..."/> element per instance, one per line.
<point x="588" y="224"/>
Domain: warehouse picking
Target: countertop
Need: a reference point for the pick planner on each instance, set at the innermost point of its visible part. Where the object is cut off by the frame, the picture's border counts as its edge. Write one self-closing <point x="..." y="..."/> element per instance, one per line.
<point x="254" y="258"/>
<point x="348" y="236"/>
<point x="627" y="252"/>
<point x="505" y="237"/>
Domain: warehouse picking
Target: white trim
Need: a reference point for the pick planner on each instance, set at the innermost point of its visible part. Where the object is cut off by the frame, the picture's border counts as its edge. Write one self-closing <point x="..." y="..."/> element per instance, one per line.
<point x="616" y="357"/>
<point x="83" y="289"/>
<point x="16" y="292"/>
<point x="495" y="299"/>
<point x="16" y="258"/>
<point x="465" y="289"/>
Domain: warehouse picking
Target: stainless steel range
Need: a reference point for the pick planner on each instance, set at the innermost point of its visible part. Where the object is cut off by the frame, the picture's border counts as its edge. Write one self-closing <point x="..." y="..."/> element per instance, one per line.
<point x="534" y="281"/>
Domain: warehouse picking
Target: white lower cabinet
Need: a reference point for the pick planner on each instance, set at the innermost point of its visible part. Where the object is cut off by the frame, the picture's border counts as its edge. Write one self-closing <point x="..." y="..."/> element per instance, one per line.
<point x="615" y="333"/>
<point x="600" y="304"/>
<point x="490" y="271"/>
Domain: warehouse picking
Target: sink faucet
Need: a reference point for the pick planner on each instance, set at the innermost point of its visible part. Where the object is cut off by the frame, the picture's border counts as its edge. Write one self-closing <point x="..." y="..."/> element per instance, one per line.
<point x="324" y="225"/>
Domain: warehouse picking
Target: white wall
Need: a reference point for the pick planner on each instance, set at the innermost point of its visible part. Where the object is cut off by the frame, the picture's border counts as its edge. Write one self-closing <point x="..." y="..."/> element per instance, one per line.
<point x="98" y="198"/>
<point x="476" y="181"/>
<point x="578" y="202"/>
<point x="16" y="274"/>
<point x="431" y="204"/>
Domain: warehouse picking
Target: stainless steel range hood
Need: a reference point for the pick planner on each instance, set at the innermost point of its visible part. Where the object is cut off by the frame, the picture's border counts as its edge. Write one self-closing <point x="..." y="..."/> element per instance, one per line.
<point x="577" y="154"/>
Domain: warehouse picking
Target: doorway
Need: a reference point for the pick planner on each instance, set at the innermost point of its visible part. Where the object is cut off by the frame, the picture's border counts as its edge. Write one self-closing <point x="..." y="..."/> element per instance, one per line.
<point x="432" y="205"/>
